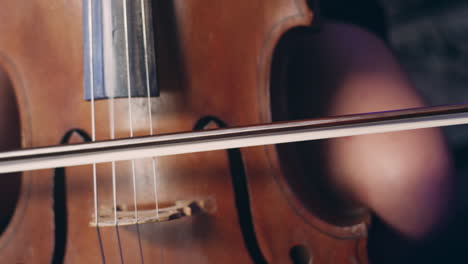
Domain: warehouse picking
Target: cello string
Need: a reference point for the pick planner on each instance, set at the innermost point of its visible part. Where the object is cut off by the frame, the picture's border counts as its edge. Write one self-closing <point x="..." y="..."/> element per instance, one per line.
<point x="150" y="114"/>
<point x="93" y="127"/>
<point x="114" y="180"/>
<point x="148" y="97"/>
<point x="130" y="118"/>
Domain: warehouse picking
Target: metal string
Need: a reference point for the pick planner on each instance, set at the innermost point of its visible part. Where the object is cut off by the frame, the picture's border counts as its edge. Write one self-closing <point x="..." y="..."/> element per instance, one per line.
<point x="93" y="129"/>
<point x="150" y="115"/>
<point x="114" y="181"/>
<point x="127" y="57"/>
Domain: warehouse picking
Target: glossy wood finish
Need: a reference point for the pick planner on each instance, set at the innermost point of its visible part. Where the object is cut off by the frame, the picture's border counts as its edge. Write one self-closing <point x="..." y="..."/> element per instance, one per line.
<point x="214" y="59"/>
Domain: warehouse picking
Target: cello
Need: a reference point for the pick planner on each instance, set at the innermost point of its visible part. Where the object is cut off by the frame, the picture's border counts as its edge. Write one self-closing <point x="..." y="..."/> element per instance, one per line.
<point x="157" y="67"/>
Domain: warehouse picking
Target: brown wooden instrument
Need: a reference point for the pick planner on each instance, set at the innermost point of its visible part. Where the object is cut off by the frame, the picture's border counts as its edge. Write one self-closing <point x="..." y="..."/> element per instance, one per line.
<point x="217" y="61"/>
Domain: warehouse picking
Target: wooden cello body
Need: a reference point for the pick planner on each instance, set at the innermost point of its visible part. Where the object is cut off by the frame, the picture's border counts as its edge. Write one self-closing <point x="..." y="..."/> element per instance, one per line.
<point x="215" y="61"/>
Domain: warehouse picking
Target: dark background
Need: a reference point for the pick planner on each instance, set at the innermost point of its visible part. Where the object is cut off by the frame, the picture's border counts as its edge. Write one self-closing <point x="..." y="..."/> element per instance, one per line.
<point x="430" y="40"/>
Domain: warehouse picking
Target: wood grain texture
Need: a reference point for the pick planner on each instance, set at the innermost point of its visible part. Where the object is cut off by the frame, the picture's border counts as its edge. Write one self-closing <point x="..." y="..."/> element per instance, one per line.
<point x="215" y="60"/>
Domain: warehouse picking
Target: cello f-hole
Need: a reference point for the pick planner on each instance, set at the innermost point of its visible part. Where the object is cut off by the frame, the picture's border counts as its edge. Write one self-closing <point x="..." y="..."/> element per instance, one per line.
<point x="60" y="202"/>
<point x="241" y="192"/>
<point x="300" y="255"/>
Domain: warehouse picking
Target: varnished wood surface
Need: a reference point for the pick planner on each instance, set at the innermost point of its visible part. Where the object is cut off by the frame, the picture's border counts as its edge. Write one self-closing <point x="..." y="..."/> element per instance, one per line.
<point x="214" y="60"/>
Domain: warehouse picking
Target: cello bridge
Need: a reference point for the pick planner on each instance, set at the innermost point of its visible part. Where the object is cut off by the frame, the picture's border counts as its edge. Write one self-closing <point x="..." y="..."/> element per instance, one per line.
<point x="126" y="215"/>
